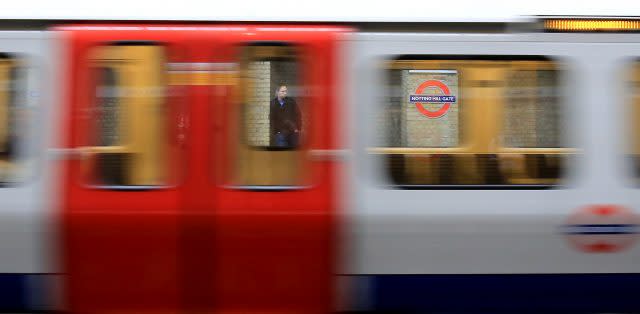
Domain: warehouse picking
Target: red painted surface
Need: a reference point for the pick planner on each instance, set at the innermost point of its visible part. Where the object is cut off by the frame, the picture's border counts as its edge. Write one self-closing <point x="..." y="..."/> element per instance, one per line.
<point x="291" y="231"/>
<point x="199" y="245"/>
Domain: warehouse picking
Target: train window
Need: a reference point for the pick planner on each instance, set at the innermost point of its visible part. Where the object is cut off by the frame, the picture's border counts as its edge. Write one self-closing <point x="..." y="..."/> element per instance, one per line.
<point x="472" y="121"/>
<point x="15" y="114"/>
<point x="273" y="118"/>
<point x="128" y="142"/>
<point x="634" y="124"/>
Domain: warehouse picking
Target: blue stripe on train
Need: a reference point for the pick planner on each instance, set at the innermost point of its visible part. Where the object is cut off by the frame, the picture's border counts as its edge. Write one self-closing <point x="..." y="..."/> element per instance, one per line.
<point x="25" y="293"/>
<point x="516" y="293"/>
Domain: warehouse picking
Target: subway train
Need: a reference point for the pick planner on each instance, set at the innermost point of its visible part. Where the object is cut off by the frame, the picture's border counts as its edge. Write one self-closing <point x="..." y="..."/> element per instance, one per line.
<point x="423" y="167"/>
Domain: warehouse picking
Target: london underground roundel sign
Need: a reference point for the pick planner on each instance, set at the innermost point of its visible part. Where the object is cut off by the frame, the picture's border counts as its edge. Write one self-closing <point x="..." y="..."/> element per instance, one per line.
<point x="419" y="99"/>
<point x="602" y="228"/>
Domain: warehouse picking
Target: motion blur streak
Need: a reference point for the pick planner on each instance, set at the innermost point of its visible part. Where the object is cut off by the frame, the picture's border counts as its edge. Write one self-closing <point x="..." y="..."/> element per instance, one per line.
<point x="289" y="168"/>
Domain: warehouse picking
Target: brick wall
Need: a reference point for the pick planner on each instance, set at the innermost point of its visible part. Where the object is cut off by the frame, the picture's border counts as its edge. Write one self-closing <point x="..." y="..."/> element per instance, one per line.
<point x="532" y="113"/>
<point x="422" y="131"/>
<point x="108" y="110"/>
<point x="548" y="115"/>
<point x="285" y="72"/>
<point x="256" y="112"/>
<point x="390" y="121"/>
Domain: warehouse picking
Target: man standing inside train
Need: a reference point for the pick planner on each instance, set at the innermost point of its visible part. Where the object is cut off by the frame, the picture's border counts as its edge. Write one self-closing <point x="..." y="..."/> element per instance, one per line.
<point x="284" y="119"/>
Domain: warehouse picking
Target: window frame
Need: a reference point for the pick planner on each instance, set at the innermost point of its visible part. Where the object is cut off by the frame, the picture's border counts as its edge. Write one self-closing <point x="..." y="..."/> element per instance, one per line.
<point x="380" y="152"/>
<point x="25" y="69"/>
<point x="238" y="139"/>
<point x="94" y="150"/>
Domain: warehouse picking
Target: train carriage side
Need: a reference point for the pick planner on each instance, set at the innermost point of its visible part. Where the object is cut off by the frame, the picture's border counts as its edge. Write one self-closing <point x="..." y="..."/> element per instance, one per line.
<point x="491" y="167"/>
<point x="27" y="228"/>
<point x="495" y="169"/>
<point x="196" y="188"/>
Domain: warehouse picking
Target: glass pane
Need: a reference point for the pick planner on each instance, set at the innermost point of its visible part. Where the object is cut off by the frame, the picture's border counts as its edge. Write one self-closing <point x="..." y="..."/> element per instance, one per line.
<point x="422" y="109"/>
<point x="15" y="119"/>
<point x="108" y="108"/>
<point x="273" y="115"/>
<point x="468" y="121"/>
<point x="130" y="142"/>
<point x="273" y="118"/>
<point x="532" y="109"/>
<point x="633" y="124"/>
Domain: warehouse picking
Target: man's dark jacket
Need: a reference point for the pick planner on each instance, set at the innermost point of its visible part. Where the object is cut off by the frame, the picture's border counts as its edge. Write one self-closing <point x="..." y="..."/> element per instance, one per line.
<point x="284" y="119"/>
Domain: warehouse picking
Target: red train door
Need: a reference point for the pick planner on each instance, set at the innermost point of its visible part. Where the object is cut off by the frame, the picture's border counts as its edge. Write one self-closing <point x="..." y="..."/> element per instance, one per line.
<point x="201" y="186"/>
<point x="122" y="194"/>
<point x="273" y="188"/>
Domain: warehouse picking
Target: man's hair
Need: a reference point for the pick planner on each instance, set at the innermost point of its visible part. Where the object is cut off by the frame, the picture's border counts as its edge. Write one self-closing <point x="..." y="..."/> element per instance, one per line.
<point x="278" y="88"/>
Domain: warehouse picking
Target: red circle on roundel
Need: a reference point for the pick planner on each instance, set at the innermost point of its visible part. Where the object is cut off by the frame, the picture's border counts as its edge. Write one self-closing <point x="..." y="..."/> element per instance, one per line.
<point x="597" y="228"/>
<point x="440" y="112"/>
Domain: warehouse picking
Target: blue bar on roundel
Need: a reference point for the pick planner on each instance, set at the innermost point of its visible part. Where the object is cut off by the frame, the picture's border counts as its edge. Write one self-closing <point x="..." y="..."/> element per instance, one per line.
<point x="432" y="98"/>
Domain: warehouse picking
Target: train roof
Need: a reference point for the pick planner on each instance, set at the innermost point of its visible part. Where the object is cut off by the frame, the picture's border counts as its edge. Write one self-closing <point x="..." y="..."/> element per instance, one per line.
<point x="329" y="11"/>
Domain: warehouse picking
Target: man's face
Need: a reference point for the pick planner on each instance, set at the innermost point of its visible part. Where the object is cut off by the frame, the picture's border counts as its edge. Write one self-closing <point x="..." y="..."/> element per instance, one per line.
<point x="282" y="92"/>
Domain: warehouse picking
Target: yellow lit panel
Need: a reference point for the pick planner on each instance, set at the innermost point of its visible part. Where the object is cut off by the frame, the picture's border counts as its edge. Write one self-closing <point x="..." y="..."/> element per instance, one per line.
<point x="591" y="25"/>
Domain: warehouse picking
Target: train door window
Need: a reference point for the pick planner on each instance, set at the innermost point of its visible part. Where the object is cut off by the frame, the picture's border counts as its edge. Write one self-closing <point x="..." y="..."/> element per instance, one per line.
<point x="15" y="116"/>
<point x="634" y="124"/>
<point x="128" y="138"/>
<point x="269" y="145"/>
<point x="472" y="121"/>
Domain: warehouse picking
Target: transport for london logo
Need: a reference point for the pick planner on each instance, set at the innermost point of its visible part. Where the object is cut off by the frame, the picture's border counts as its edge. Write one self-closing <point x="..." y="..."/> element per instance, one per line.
<point x="419" y="98"/>
<point x="602" y="228"/>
